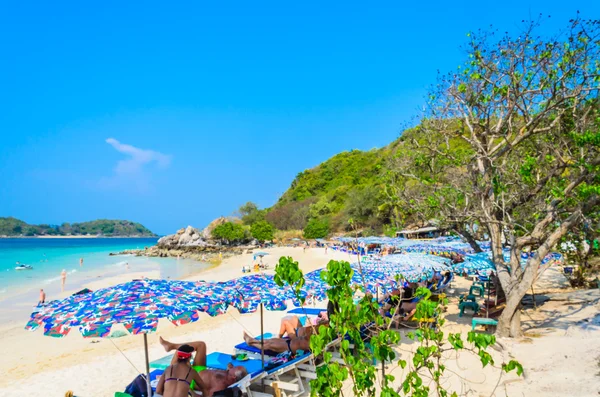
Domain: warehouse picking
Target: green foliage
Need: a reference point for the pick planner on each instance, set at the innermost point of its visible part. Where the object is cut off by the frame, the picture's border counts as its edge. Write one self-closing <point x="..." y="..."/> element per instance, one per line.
<point x="425" y="367"/>
<point x="262" y="231"/>
<point x="250" y="214"/>
<point x="111" y="228"/>
<point x="230" y="232"/>
<point x="316" y="229"/>
<point x="291" y="216"/>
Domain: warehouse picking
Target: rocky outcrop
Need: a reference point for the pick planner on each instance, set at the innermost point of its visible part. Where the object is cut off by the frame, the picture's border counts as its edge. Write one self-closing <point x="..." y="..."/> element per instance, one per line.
<point x="207" y="232"/>
<point x="191" y="243"/>
<point x="185" y="237"/>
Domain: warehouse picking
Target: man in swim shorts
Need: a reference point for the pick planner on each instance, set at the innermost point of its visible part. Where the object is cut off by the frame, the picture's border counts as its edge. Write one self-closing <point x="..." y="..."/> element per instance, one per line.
<point x="213" y="380"/>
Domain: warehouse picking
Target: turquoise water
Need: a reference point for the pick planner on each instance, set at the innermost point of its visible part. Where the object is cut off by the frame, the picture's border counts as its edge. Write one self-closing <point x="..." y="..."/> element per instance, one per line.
<point x="50" y="256"/>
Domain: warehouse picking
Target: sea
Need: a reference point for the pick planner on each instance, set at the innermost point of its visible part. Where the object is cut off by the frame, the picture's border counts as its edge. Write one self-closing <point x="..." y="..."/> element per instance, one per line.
<point x="49" y="256"/>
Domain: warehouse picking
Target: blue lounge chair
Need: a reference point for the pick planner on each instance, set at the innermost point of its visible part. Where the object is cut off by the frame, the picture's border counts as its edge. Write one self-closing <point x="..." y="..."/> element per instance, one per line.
<point x="307" y="310"/>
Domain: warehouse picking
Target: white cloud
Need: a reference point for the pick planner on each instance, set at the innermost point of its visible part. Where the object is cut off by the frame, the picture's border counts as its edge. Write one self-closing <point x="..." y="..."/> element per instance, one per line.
<point x="132" y="171"/>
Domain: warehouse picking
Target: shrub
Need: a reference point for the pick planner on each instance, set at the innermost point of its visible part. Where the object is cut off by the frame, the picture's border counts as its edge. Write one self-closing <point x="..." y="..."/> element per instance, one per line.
<point x="229" y="231"/>
<point x="316" y="229"/>
<point x="262" y="231"/>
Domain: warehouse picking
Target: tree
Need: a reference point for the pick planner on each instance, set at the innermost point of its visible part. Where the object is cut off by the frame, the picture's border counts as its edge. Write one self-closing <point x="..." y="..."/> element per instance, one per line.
<point x="527" y="109"/>
<point x="362" y="205"/>
<point x="291" y="216"/>
<point x="316" y="229"/>
<point x="230" y="232"/>
<point x="262" y="231"/>
<point x="249" y="213"/>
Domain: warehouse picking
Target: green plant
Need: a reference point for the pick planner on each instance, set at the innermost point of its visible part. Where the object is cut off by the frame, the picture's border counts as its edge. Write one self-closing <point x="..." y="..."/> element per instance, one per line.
<point x="229" y="231"/>
<point x="262" y="231"/>
<point x="361" y="322"/>
<point x="316" y="228"/>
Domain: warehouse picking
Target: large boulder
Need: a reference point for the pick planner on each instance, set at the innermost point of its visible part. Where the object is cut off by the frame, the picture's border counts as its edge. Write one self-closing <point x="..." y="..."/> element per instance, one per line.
<point x="207" y="232"/>
<point x="186" y="237"/>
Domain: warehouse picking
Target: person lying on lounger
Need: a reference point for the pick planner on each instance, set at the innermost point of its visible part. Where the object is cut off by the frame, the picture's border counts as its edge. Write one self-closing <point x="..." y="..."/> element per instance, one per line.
<point x="180" y="376"/>
<point x="280" y="345"/>
<point x="292" y="327"/>
<point x="406" y="294"/>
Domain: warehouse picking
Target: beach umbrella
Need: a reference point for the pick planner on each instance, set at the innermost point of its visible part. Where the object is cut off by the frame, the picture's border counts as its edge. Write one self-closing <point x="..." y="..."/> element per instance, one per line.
<point x="482" y="262"/>
<point x="259" y="290"/>
<point x="138" y="305"/>
<point x="412" y="267"/>
<point x="260" y="255"/>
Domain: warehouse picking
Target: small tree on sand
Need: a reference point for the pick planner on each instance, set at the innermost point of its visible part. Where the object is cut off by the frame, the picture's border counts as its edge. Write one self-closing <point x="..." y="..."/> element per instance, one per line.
<point x="366" y="336"/>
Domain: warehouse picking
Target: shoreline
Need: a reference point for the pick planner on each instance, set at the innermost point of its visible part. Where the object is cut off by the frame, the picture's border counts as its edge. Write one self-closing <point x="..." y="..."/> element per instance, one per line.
<point x="97" y="366"/>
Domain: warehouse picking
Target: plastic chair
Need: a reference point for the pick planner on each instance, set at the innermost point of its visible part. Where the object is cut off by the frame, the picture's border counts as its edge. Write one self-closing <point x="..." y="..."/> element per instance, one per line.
<point x="468" y="305"/>
<point x="478" y="289"/>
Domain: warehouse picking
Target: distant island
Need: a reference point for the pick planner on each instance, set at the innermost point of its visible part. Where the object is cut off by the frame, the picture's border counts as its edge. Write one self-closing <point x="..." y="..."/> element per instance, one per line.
<point x="13" y="227"/>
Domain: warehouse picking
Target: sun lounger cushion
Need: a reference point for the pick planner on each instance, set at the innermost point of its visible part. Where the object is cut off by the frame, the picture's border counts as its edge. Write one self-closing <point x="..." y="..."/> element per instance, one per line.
<point x="306" y="310"/>
<point x="252" y="349"/>
<point x="162" y="363"/>
<point x="218" y="360"/>
<point x="271" y="369"/>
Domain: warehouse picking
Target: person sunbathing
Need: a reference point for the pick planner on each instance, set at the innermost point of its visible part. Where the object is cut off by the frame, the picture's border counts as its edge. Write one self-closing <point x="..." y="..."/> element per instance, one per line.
<point x="178" y="378"/>
<point x="402" y="296"/>
<point x="292" y="327"/>
<point x="280" y="345"/>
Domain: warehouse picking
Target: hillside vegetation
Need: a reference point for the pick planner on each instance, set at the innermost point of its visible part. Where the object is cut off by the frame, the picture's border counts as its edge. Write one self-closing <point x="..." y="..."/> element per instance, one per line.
<point x="350" y="187"/>
<point x="111" y="228"/>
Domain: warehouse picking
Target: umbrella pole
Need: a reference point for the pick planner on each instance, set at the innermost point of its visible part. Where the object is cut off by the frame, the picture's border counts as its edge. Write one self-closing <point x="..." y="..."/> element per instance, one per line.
<point x="262" y="345"/>
<point x="147" y="366"/>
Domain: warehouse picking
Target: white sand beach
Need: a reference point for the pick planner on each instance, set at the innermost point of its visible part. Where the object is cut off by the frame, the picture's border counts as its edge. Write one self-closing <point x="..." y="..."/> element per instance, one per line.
<point x="560" y="354"/>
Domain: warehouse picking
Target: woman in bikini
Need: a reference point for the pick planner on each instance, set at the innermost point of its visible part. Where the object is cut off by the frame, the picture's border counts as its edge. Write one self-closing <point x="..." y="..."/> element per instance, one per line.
<point x="178" y="377"/>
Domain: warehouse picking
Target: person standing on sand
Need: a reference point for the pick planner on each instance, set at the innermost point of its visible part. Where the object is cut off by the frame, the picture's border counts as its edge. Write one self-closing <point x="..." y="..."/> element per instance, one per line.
<point x="80" y="262"/>
<point x="63" y="279"/>
<point x="42" y="297"/>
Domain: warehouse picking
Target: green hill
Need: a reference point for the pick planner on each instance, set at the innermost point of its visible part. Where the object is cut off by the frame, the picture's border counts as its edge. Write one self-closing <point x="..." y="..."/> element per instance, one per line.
<point x="350" y="185"/>
<point x="362" y="186"/>
<point x="110" y="228"/>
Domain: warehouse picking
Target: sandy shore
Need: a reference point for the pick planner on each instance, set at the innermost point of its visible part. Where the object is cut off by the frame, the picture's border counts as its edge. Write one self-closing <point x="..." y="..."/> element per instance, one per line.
<point x="560" y="356"/>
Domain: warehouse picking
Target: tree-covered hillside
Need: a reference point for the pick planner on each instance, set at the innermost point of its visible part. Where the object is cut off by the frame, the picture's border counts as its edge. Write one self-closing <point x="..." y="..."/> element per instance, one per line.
<point x="111" y="228"/>
<point x="349" y="186"/>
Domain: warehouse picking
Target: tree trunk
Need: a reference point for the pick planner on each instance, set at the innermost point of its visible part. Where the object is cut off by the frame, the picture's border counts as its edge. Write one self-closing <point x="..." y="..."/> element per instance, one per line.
<point x="469" y="237"/>
<point x="509" y="322"/>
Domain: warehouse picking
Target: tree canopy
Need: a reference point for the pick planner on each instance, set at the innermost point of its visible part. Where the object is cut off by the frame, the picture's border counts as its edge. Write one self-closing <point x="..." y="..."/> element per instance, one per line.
<point x="230" y="232"/>
<point x="262" y="231"/>
<point x="525" y="111"/>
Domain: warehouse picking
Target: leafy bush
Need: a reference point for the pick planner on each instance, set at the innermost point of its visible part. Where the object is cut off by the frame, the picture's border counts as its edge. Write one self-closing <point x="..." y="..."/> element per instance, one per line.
<point x="425" y="366"/>
<point x="316" y="229"/>
<point x="230" y="232"/>
<point x="262" y="231"/>
<point x="250" y="214"/>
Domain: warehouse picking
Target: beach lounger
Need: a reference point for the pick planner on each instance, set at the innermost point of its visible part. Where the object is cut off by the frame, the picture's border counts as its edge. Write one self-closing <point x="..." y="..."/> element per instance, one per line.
<point x="307" y="310"/>
<point x="288" y="378"/>
<point x="488" y="322"/>
<point x="254" y="352"/>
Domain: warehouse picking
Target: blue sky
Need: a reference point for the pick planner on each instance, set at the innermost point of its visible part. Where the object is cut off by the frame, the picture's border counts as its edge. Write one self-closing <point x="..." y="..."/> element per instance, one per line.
<point x="172" y="115"/>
